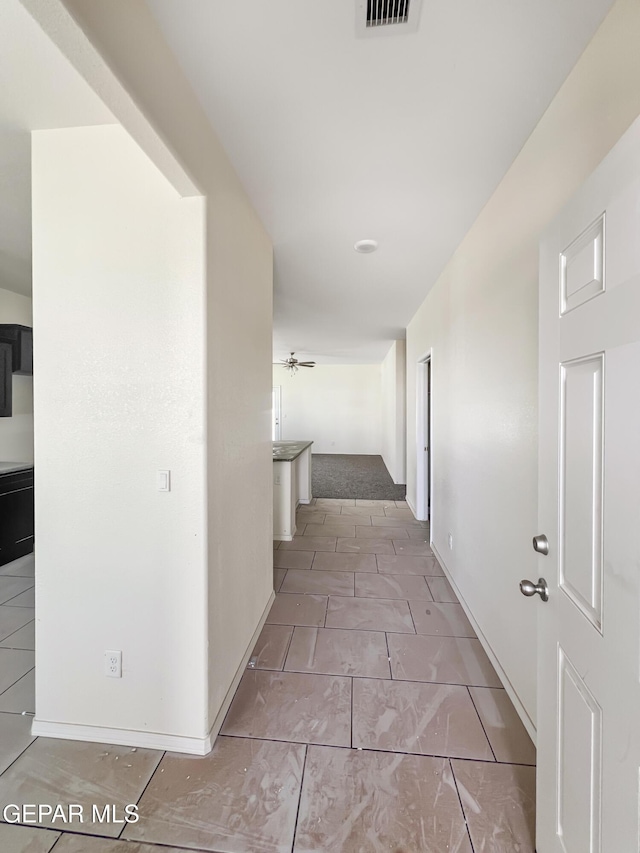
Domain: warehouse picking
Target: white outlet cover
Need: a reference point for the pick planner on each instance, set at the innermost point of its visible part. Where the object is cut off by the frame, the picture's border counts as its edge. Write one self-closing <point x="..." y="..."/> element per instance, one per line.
<point x="113" y="663"/>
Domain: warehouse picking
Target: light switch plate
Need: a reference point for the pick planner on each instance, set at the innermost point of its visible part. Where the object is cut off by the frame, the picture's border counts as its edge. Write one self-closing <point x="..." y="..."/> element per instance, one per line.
<point x="164" y="481"/>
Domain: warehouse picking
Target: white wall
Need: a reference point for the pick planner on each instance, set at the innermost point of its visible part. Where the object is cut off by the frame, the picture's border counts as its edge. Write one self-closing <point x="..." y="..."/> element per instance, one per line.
<point x="394" y="399"/>
<point x="118" y="287"/>
<point x="481" y="320"/>
<point x="239" y="449"/>
<point x="148" y="92"/>
<point x="338" y="407"/>
<point x="16" y="432"/>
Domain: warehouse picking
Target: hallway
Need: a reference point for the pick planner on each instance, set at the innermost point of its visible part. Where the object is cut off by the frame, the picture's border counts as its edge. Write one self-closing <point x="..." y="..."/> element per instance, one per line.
<point x="369" y="719"/>
<point x="392" y="671"/>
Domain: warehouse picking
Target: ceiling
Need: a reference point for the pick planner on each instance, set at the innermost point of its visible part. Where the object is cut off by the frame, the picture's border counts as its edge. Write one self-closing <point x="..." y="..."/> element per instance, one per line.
<point x="38" y="89"/>
<point x="399" y="138"/>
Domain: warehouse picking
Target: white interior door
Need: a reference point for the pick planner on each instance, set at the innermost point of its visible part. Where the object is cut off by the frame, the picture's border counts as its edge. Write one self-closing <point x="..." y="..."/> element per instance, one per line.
<point x="589" y="509"/>
<point x="276" y="413"/>
<point x="423" y="441"/>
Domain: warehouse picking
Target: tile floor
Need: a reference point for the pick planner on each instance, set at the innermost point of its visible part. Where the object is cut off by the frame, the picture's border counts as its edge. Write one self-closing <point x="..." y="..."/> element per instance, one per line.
<point x="372" y="721"/>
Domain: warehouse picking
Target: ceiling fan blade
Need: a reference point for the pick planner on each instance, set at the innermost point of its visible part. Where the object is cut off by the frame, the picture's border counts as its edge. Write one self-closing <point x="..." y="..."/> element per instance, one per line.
<point x="306" y="364"/>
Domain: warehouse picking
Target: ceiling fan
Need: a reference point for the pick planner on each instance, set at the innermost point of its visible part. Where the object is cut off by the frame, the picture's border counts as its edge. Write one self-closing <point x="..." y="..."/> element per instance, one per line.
<point x="292" y="364"/>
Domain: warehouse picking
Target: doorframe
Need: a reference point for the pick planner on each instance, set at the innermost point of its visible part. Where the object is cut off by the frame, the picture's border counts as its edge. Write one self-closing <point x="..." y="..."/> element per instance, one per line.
<point x="276" y="412"/>
<point x="424" y="436"/>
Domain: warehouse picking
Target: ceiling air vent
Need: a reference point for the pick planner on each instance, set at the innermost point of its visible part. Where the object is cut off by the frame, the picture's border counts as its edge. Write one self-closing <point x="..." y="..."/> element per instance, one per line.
<point x="382" y="13"/>
<point x="387" y="17"/>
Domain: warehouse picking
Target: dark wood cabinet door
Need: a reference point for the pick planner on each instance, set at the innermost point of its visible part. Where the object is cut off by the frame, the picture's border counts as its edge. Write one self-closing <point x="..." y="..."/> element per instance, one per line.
<point x="6" y="383"/>
<point x="21" y="340"/>
<point x="16" y="515"/>
<point x="25" y="346"/>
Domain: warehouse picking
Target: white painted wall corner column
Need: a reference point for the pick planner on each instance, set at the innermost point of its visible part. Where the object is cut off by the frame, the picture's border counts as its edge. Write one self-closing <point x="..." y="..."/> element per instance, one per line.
<point x="119" y="283"/>
<point x="394" y="409"/>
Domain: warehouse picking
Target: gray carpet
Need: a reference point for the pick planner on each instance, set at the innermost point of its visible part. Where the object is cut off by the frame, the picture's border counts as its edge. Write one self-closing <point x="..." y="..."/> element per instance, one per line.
<point x="365" y="477"/>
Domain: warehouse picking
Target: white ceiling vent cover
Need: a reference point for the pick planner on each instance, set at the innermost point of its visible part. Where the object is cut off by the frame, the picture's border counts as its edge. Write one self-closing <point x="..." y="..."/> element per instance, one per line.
<point x="387" y="17"/>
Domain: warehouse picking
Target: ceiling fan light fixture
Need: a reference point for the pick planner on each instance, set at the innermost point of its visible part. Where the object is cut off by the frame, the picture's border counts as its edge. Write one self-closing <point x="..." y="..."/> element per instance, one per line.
<point x="292" y="364"/>
<point x="366" y="247"/>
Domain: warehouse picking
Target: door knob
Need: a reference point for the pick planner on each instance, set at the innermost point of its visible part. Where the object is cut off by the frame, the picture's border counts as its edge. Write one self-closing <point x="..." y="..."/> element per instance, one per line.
<point x="529" y="588"/>
<point x="541" y="544"/>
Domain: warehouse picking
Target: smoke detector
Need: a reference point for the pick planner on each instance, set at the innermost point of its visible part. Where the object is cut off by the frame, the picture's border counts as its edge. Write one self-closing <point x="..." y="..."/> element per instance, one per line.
<point x="387" y="17"/>
<point x="365" y="247"/>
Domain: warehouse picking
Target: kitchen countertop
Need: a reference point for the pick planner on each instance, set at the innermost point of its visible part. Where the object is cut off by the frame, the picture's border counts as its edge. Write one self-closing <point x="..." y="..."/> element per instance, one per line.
<point x="11" y="467"/>
<point x="287" y="451"/>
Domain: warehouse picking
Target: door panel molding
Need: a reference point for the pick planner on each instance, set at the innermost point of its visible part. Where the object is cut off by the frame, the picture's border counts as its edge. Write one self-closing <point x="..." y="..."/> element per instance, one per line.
<point x="582" y="267"/>
<point x="579" y="747"/>
<point x="580" y="498"/>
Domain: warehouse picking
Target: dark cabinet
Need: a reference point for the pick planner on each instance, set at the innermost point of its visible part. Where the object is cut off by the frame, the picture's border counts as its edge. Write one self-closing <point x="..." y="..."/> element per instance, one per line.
<point x="16" y="356"/>
<point x="21" y="340"/>
<point x="6" y="383"/>
<point x="16" y="515"/>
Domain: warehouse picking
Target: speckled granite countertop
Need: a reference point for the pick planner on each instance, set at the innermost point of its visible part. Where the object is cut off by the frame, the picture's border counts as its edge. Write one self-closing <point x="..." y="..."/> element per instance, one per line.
<point x="10" y="467"/>
<point x="287" y="451"/>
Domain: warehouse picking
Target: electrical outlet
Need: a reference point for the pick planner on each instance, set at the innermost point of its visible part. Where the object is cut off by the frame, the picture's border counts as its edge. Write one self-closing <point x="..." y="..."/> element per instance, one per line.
<point x="451" y="541"/>
<point x="276" y="480"/>
<point x="113" y="664"/>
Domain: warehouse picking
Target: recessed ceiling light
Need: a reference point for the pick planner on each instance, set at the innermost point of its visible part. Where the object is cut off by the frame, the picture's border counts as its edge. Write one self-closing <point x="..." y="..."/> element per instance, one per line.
<point x="365" y="247"/>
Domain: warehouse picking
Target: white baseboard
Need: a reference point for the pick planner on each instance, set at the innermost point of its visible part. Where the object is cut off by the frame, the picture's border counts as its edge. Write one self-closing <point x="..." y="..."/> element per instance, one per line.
<point x="153" y="740"/>
<point x="412" y="507"/>
<point x="231" y="692"/>
<point x="282" y="537"/>
<point x="522" y="713"/>
<point x="122" y="737"/>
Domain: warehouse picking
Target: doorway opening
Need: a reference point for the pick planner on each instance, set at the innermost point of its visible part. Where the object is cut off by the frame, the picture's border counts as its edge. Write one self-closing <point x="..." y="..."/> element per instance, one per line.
<point x="424" y="479"/>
